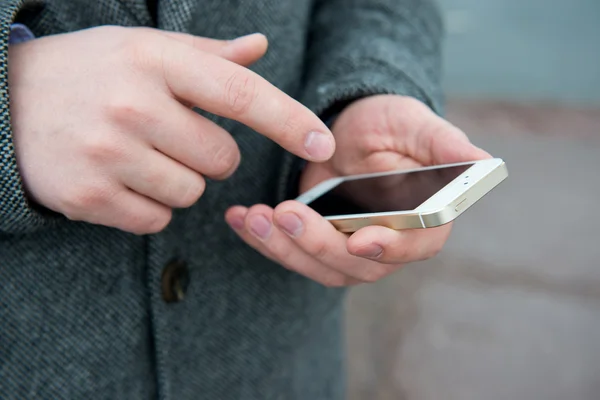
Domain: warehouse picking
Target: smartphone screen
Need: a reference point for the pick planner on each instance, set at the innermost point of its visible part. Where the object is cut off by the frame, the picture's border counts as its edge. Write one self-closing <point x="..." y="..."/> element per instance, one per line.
<point x="395" y="192"/>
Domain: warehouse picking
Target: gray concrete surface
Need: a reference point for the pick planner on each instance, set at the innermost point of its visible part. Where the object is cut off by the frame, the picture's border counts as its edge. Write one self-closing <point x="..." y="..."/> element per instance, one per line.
<point x="511" y="308"/>
<point x="523" y="49"/>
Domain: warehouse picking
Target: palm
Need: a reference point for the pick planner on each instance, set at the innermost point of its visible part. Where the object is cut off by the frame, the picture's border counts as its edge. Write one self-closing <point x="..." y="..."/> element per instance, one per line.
<point x="383" y="133"/>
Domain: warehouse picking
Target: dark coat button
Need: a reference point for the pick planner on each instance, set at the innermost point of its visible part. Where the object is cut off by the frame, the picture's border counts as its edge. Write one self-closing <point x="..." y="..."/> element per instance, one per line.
<point x="175" y="281"/>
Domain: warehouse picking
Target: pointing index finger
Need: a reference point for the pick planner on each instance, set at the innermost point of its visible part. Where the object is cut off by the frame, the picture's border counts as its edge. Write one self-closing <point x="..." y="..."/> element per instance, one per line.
<point x="244" y="50"/>
<point x="226" y="89"/>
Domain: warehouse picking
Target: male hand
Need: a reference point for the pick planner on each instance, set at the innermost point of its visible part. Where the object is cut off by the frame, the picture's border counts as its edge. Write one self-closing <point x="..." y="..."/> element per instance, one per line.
<point x="375" y="134"/>
<point x="104" y="130"/>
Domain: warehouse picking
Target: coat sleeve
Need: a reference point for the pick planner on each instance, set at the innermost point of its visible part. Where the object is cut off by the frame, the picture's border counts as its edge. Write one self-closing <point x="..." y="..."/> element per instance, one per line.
<point x="358" y="48"/>
<point x="17" y="214"/>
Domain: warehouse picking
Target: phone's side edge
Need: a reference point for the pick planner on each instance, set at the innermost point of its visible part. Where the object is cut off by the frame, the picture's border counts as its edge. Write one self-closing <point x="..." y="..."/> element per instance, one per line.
<point x="396" y="221"/>
<point x="453" y="210"/>
<point x="317" y="191"/>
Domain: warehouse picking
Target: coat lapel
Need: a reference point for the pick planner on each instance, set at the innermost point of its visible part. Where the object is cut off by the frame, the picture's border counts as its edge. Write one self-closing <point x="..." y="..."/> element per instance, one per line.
<point x="175" y="15"/>
<point x="139" y="9"/>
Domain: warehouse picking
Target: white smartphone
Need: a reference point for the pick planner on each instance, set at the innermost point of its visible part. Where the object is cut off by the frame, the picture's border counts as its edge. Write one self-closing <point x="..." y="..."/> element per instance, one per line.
<point x="406" y="199"/>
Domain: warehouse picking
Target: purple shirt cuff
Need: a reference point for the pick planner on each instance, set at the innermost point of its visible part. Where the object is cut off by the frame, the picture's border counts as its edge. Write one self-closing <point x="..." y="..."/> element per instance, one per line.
<point x="19" y="33"/>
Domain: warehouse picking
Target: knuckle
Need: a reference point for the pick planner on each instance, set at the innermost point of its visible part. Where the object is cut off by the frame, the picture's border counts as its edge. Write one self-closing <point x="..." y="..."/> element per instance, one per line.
<point x="402" y="253"/>
<point x="85" y="200"/>
<point x="128" y="112"/>
<point x="225" y="161"/>
<point x="191" y="193"/>
<point x="159" y="221"/>
<point x="282" y="253"/>
<point x="240" y="92"/>
<point x="320" y="250"/>
<point x="289" y="122"/>
<point x="155" y="178"/>
<point x="102" y="148"/>
<point x="180" y="191"/>
<point x="374" y="273"/>
<point x="72" y="214"/>
<point x="136" y="50"/>
<point x="149" y="223"/>
<point x="280" y="250"/>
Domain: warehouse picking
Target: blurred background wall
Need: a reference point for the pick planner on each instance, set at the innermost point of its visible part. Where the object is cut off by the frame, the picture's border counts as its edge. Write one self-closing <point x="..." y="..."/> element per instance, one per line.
<point x="511" y="308"/>
<point x="532" y="50"/>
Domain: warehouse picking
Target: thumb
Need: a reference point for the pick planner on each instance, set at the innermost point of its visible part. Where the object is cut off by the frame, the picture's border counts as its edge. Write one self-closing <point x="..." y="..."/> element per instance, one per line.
<point x="447" y="144"/>
<point x="245" y="50"/>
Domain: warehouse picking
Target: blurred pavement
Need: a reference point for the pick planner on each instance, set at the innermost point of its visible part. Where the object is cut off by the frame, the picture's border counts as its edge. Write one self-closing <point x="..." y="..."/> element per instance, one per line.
<point x="511" y="308"/>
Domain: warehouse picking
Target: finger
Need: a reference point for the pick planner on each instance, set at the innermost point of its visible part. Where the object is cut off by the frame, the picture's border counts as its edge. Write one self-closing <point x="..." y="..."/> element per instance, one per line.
<point x="161" y="178"/>
<point x="223" y="88"/>
<point x="245" y="50"/>
<point x="398" y="247"/>
<point x="255" y="227"/>
<point x="131" y="212"/>
<point x="317" y="237"/>
<point x="193" y="140"/>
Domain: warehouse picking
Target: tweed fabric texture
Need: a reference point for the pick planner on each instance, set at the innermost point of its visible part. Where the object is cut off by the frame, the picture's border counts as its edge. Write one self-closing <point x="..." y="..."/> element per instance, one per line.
<point x="81" y="310"/>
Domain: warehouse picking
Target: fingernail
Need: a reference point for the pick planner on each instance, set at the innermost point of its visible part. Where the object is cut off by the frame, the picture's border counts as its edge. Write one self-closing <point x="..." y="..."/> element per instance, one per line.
<point x="237" y="223"/>
<point x="260" y="226"/>
<point x="240" y="38"/>
<point x="290" y="223"/>
<point x="372" y="251"/>
<point x="319" y="146"/>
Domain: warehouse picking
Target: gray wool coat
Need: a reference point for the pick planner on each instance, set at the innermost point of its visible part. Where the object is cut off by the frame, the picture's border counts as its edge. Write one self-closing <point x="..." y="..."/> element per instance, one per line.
<point x="88" y="312"/>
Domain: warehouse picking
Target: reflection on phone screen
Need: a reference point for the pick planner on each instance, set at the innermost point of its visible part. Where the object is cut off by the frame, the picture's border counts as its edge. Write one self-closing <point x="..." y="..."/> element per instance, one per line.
<point x="388" y="193"/>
